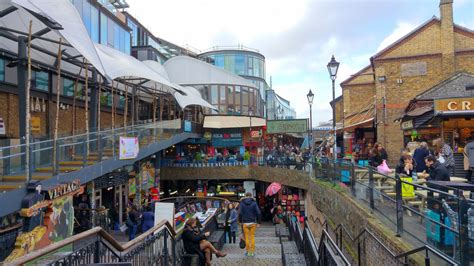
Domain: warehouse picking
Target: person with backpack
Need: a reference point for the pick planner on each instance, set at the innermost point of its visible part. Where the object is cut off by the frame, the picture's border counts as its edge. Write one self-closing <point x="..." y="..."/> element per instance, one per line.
<point x="250" y="218"/>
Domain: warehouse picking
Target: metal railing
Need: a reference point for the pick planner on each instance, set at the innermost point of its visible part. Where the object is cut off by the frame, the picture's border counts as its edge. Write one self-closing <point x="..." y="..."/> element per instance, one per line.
<point x="326" y="252"/>
<point x="90" y="148"/>
<point x="157" y="246"/>
<point x="422" y="214"/>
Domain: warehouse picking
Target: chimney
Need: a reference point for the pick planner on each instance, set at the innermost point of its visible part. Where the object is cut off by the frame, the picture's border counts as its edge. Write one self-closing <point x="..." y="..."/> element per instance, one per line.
<point x="447" y="36"/>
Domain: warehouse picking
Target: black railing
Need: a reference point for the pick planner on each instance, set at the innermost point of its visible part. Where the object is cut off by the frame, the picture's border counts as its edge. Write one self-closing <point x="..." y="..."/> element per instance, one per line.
<point x="157" y="246"/>
<point x="324" y="253"/>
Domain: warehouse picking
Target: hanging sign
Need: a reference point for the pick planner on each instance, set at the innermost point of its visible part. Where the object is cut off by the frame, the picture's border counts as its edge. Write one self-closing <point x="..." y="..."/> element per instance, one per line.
<point x="35" y="124"/>
<point x="129" y="148"/>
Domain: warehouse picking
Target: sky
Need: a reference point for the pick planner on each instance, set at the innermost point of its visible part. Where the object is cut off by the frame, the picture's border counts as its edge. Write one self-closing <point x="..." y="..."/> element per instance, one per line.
<point x="297" y="37"/>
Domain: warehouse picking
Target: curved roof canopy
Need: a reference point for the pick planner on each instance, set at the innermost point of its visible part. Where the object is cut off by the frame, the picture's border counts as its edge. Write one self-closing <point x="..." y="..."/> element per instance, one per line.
<point x="50" y="20"/>
<point x="192" y="97"/>
<point x="186" y="70"/>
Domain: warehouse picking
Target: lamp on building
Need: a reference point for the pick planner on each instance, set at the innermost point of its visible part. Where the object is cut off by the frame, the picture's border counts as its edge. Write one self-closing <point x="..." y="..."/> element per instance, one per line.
<point x="333" y="66"/>
<point x="310" y="97"/>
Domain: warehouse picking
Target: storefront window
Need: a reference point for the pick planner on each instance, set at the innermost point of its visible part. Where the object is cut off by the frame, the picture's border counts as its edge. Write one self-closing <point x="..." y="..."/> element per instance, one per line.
<point x="40" y="80"/>
<point x="68" y="87"/>
<point x="2" y="69"/>
<point x="121" y="103"/>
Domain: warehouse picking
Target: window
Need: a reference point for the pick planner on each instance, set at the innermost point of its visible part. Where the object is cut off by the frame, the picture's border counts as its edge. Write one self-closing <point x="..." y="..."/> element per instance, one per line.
<point x="222" y="95"/>
<point x="229" y="63"/>
<point x="219" y="61"/>
<point x="127" y="43"/>
<point x="110" y="32"/>
<point x="121" y="102"/>
<point x="104" y="96"/>
<point x="68" y="87"/>
<point x="230" y="100"/>
<point x="205" y="93"/>
<point x="214" y="95"/>
<point x="122" y="40"/>
<point x="78" y="5"/>
<point x="2" y="69"/>
<point x="103" y="29"/>
<point x="250" y="66"/>
<point x="116" y="43"/>
<point x="245" y="96"/>
<point x="134" y="28"/>
<point x="95" y="24"/>
<point x="86" y="15"/>
<point x="237" y="99"/>
<point x="40" y="80"/>
<point x="239" y="64"/>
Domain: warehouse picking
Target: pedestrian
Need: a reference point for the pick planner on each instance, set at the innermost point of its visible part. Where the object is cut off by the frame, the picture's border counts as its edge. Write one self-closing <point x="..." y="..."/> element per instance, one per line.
<point x="378" y="155"/>
<point x="469" y="155"/>
<point x="132" y="222"/>
<point x="232" y="221"/>
<point x="445" y="154"/>
<point x="419" y="156"/>
<point x="195" y="242"/>
<point x="148" y="219"/>
<point x="436" y="170"/>
<point x="250" y="219"/>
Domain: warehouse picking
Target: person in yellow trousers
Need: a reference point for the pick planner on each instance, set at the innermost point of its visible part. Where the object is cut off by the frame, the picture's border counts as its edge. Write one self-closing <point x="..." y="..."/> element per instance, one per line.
<point x="250" y="219"/>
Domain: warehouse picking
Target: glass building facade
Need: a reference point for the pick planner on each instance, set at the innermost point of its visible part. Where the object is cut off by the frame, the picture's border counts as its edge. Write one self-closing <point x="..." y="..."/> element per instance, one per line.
<point x="245" y="63"/>
<point x="103" y="28"/>
<point x="277" y="107"/>
<point x="2" y="69"/>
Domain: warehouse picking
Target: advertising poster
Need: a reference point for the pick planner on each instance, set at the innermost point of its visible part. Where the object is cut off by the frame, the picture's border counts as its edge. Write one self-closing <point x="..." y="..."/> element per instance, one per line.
<point x="147" y="176"/>
<point x="129" y="148"/>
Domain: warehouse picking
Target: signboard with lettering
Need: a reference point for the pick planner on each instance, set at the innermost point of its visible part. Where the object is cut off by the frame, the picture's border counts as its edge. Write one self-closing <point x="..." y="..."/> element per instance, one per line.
<point x="129" y="148"/>
<point x="454" y="104"/>
<point x="407" y="125"/>
<point x="287" y="126"/>
<point x="227" y="138"/>
<point x="255" y="133"/>
<point x="35" y="124"/>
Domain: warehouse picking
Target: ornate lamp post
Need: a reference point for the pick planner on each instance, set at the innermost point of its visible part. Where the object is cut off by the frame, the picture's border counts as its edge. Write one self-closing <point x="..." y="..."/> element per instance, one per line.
<point x="333" y="66"/>
<point x="310" y="97"/>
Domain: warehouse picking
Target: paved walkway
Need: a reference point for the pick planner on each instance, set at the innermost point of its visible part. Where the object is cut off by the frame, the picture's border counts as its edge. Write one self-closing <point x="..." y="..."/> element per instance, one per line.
<point x="267" y="250"/>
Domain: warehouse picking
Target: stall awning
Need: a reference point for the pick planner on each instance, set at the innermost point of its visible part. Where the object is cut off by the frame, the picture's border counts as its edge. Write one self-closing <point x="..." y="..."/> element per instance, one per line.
<point x="455" y="114"/>
<point x="216" y="121"/>
<point x="362" y="119"/>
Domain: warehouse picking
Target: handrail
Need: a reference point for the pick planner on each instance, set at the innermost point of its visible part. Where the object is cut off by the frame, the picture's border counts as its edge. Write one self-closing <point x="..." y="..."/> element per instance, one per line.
<point x="385" y="247"/>
<point x="334" y="245"/>
<point x="99" y="231"/>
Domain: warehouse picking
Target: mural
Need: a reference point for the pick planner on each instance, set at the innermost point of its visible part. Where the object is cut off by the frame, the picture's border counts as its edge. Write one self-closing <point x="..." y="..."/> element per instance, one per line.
<point x="46" y="220"/>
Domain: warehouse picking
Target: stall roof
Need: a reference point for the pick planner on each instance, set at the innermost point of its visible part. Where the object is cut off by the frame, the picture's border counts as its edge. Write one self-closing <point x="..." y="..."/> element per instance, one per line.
<point x="56" y="19"/>
<point x="232" y="121"/>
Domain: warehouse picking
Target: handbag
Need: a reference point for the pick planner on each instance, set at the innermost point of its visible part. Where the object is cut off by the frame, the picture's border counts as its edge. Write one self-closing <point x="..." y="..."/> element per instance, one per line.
<point x="383" y="168"/>
<point x="242" y="239"/>
<point x="441" y="159"/>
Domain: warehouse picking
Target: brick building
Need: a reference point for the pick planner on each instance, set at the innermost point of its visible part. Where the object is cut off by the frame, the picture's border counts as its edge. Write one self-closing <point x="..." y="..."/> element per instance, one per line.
<point x="431" y="53"/>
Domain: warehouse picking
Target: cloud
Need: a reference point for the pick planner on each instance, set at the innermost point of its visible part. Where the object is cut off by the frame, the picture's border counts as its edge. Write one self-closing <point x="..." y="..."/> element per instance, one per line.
<point x="402" y="29"/>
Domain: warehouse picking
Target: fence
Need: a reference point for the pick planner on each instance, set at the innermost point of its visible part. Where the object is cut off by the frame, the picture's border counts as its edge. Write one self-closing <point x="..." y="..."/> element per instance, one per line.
<point x="433" y="214"/>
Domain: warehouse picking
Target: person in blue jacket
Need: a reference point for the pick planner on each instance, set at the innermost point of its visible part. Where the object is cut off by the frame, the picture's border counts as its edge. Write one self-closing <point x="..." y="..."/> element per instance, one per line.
<point x="250" y="217"/>
<point x="148" y="219"/>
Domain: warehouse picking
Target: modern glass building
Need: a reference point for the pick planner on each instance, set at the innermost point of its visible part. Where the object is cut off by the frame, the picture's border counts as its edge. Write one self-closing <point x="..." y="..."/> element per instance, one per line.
<point x="278" y="108"/>
<point x="245" y="62"/>
<point x="103" y="25"/>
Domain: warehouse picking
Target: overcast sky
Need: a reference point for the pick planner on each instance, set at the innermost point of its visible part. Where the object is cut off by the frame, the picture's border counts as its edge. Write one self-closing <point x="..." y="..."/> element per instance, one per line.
<point x="297" y="37"/>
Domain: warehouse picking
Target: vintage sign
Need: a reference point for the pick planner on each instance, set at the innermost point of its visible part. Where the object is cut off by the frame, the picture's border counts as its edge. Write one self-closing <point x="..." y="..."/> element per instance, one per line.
<point x="129" y="148"/>
<point x="407" y="125"/>
<point x="287" y="126"/>
<point x="454" y="104"/>
<point x="63" y="189"/>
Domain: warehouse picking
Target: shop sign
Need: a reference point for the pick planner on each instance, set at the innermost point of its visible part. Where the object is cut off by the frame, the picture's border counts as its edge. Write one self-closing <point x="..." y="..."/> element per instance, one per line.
<point x="35" y="124"/>
<point x="64" y="189"/>
<point x="455" y="104"/>
<point x="128" y="148"/>
<point x="207" y="135"/>
<point x="227" y="138"/>
<point x="2" y="127"/>
<point x="255" y="133"/>
<point x="407" y="125"/>
<point x="38" y="105"/>
<point x="287" y="126"/>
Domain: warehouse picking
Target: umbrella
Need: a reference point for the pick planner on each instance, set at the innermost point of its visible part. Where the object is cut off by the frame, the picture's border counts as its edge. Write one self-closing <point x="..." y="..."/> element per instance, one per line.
<point x="272" y="189"/>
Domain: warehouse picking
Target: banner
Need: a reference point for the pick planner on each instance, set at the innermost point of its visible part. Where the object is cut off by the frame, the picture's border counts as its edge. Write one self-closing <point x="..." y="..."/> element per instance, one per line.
<point x="128" y="148"/>
<point x="287" y="126"/>
<point x="227" y="138"/>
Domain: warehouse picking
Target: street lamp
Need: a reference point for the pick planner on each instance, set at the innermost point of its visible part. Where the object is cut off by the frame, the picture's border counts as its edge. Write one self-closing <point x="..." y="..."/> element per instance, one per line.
<point x="333" y="66"/>
<point x="310" y="96"/>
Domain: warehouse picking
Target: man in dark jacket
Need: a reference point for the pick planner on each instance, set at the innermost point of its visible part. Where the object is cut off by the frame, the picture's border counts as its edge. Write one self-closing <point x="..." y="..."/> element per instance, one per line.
<point x="437" y="171"/>
<point x="250" y="218"/>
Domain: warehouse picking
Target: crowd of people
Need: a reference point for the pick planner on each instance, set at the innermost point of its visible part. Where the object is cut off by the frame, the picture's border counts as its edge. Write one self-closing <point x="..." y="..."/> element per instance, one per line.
<point x="287" y="155"/>
<point x="214" y="156"/>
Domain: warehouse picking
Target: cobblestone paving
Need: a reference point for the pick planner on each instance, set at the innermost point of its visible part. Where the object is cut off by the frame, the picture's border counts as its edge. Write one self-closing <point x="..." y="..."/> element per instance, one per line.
<point x="267" y="250"/>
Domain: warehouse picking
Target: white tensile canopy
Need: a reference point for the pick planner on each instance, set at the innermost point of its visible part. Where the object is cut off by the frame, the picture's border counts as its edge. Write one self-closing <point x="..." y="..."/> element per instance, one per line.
<point x="233" y="121"/>
<point x="185" y="70"/>
<point x="44" y="14"/>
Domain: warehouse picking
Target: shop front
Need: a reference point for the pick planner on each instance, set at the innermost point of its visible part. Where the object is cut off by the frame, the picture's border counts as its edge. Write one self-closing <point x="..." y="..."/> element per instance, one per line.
<point x="446" y="111"/>
<point x="359" y="134"/>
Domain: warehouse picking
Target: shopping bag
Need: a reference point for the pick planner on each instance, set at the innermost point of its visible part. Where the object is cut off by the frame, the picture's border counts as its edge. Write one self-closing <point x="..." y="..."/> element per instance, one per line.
<point x="383" y="168"/>
<point x="242" y="239"/>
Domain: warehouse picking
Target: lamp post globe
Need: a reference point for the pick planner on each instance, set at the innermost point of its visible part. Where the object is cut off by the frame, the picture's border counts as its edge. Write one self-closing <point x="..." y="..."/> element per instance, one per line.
<point x="333" y="67"/>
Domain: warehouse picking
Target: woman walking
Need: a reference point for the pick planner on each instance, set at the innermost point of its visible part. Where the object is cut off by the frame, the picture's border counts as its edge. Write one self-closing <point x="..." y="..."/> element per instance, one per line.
<point x="233" y="227"/>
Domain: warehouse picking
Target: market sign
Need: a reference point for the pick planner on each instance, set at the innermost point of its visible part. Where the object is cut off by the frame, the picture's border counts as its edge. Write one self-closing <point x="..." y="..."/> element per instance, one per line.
<point x="255" y="134"/>
<point x="454" y="104"/>
<point x="128" y="148"/>
<point x="227" y="138"/>
<point x="64" y="189"/>
<point x="287" y="126"/>
<point x="407" y="125"/>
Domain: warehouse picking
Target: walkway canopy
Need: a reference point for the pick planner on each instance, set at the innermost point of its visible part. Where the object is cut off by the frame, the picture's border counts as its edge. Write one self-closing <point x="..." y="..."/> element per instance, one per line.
<point x="186" y="70"/>
<point x="51" y="20"/>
